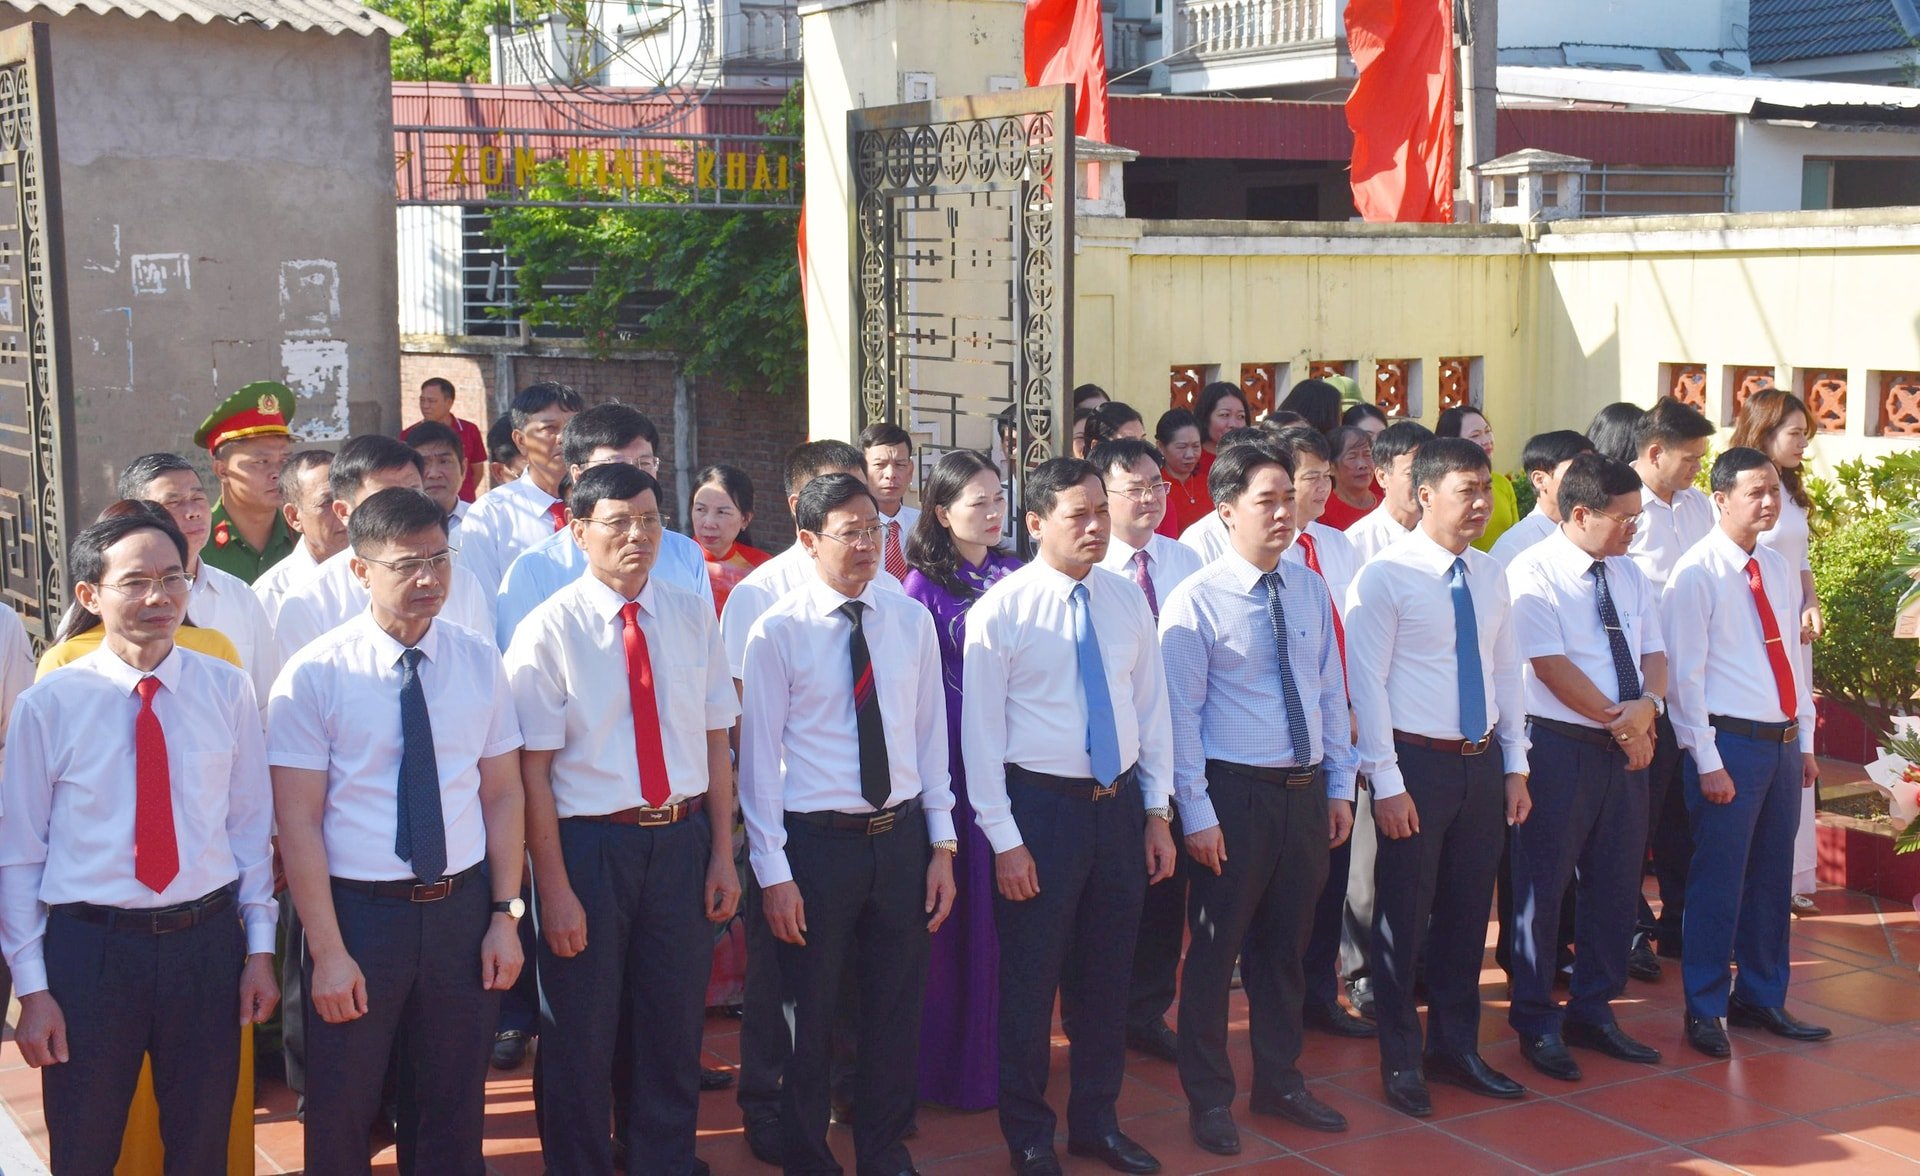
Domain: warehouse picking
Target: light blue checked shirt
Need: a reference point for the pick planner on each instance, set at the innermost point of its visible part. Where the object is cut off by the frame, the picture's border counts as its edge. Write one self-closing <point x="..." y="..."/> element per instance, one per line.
<point x="557" y="561"/>
<point x="1223" y="680"/>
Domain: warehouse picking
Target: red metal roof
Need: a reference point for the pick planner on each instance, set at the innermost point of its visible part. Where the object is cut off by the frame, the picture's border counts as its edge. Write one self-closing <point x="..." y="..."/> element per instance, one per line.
<point x="1163" y="127"/>
<point x="458" y="104"/>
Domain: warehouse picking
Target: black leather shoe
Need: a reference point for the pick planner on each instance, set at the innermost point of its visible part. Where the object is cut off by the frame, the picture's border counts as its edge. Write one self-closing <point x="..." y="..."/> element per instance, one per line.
<point x="1214" y="1131"/>
<point x="1407" y="1092"/>
<point x="1332" y="1018"/>
<point x="1642" y="964"/>
<point x="1155" y="1040"/>
<point x="1775" y="1021"/>
<point x="1360" y="995"/>
<point x="1471" y="1072"/>
<point x="712" y="1079"/>
<point x="1037" y="1161"/>
<point x="509" y="1049"/>
<point x="1547" y="1053"/>
<point x="1708" y="1036"/>
<point x="763" y="1139"/>
<point x="1116" y="1151"/>
<point x="1302" y="1108"/>
<point x="1609" y="1040"/>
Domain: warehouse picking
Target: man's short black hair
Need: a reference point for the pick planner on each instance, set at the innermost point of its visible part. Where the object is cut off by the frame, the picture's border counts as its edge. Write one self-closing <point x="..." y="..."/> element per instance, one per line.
<point x="1234" y="468"/>
<point x="87" y="555"/>
<point x="1048" y="480"/>
<point x="826" y="494"/>
<point x="616" y="480"/>
<point x="391" y="515"/>
<point x="1728" y="467"/>
<point x="808" y="461"/>
<point x="1304" y="439"/>
<point x="141" y="472"/>
<point x="1668" y="423"/>
<point x="300" y="463"/>
<point x="1121" y="454"/>
<point x="883" y="433"/>
<point x="535" y="399"/>
<point x="1397" y="440"/>
<point x="1239" y="436"/>
<point x="434" y="433"/>
<point x="605" y="426"/>
<point x="501" y="446"/>
<point x="441" y="382"/>
<point x="1545" y="451"/>
<point x="1593" y="480"/>
<point x="1441" y="456"/>
<point x="1085" y="392"/>
<point x="368" y="454"/>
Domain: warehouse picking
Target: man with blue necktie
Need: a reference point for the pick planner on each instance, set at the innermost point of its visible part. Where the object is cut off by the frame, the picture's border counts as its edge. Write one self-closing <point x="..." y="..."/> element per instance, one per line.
<point x="1068" y="749"/>
<point x="1435" y="678"/>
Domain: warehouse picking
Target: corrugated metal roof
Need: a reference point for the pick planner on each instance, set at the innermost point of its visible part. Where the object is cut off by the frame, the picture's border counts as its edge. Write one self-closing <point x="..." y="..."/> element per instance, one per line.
<point x="1709" y="93"/>
<point x="462" y="104"/>
<point x="1792" y="30"/>
<point x="329" y="16"/>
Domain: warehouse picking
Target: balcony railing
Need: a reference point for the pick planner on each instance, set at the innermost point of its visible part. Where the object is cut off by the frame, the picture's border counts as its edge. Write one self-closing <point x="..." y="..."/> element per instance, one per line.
<point x="764" y="32"/>
<point x="1248" y="26"/>
<point x="1127" y="48"/>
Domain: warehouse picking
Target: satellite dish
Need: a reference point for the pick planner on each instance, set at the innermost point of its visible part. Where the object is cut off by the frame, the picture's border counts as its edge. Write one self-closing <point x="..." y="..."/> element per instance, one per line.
<point x="615" y="64"/>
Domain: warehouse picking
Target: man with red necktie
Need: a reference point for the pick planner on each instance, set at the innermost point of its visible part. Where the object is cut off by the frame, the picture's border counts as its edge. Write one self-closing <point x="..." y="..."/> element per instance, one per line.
<point x="1745" y="720"/>
<point x="888" y="450"/>
<point x="625" y="701"/>
<point x="136" y="903"/>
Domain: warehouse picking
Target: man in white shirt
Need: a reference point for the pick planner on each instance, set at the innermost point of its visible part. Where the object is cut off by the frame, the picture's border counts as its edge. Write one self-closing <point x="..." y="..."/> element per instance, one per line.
<point x="1133" y="472"/>
<point x="1246" y="641"/>
<point x="396" y="777"/>
<point x="1743" y="713"/>
<point x="219" y="599"/>
<point x="849" y="810"/>
<point x="1671" y="439"/>
<point x="1587" y="624"/>
<point x="514" y="516"/>
<point x="335" y="594"/>
<point x="1436" y="685"/>
<point x="1068" y="747"/>
<point x="887" y="450"/>
<point x="16" y="674"/>
<point x="445" y="469"/>
<point x="1545" y="460"/>
<point x="307" y="503"/>
<point x="1399" y="510"/>
<point x="625" y="702"/>
<point x="136" y="889"/>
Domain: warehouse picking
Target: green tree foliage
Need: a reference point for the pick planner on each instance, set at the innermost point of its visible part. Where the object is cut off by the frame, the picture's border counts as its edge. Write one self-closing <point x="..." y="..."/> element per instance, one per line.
<point x="1860" y="556"/>
<point x="733" y="314"/>
<point x="445" y="41"/>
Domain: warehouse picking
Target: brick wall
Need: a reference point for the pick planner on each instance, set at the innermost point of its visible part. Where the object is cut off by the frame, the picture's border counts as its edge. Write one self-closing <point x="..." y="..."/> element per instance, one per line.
<point x="749" y="430"/>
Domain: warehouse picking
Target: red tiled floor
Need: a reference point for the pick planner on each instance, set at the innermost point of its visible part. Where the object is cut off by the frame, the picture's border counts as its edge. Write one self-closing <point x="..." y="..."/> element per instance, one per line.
<point x="1674" y="1109"/>
<point x="1546" y="1135"/>
<point x="1893" y="1125"/>
<point x="1419" y="1147"/>
<point x="1805" y="1149"/>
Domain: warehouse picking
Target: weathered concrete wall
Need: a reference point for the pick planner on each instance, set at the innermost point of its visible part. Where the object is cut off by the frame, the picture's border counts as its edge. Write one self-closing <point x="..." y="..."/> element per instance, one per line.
<point x="228" y="202"/>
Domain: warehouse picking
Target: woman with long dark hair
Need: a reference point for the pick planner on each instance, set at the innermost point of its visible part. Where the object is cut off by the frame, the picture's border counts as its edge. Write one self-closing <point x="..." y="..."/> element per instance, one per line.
<point x="1612" y="430"/>
<point x="954" y="556"/>
<point x="1318" y="403"/>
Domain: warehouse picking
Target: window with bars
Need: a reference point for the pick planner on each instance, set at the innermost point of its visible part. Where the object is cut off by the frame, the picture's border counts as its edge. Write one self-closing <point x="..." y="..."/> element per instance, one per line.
<point x="1262" y="383"/>
<point x="1824" y="392"/>
<point x="1396" y="388"/>
<point x="1743" y="382"/>
<point x="1899" y="403"/>
<point x="1685" y="382"/>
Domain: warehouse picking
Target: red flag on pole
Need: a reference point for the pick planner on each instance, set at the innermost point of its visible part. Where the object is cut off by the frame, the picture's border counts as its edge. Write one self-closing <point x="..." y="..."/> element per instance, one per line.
<point x="1065" y="44"/>
<point x="1401" y="109"/>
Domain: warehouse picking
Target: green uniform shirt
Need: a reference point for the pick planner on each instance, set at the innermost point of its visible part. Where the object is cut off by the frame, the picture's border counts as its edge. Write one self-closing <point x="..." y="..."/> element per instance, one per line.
<point x="231" y="553"/>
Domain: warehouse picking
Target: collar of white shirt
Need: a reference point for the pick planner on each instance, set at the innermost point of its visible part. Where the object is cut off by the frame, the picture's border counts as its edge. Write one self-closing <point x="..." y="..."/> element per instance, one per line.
<point x="390" y="650"/>
<point x="1120" y="553"/>
<point x="1058" y="580"/>
<point x="1245" y="574"/>
<point x="1561" y="549"/>
<point x="607" y="603"/>
<point x="125" y="677"/>
<point x="1429" y="554"/>
<point x="1730" y="549"/>
<point x="827" y="600"/>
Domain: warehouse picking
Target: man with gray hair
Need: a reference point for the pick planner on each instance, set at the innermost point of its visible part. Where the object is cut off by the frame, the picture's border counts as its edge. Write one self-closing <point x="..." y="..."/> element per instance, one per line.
<point x="307" y="504"/>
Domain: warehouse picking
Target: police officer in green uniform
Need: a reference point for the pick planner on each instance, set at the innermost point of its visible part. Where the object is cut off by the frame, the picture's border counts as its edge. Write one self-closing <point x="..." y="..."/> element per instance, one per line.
<point x="249" y="440"/>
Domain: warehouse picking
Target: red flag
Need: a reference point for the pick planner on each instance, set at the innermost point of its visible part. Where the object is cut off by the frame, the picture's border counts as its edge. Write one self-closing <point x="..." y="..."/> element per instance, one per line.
<point x="800" y="236"/>
<point x="1065" y="44"/>
<point x="1401" y="109"/>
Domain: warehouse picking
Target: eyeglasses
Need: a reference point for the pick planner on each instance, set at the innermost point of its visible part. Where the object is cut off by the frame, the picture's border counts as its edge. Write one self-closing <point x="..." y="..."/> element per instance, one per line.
<point x="1630" y="522"/>
<point x="864" y="537"/>
<point x="1144" y="495"/>
<point x="648" y="465"/>
<point x="141" y="587"/>
<point x="630" y="524"/>
<point x="413" y="569"/>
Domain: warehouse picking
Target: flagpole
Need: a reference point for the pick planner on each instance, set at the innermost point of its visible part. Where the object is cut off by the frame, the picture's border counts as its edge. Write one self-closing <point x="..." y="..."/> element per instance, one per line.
<point x="1477" y="27"/>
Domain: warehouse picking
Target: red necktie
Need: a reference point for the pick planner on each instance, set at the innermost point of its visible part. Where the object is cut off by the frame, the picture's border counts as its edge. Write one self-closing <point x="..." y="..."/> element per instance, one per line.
<point x="894" y="559"/>
<point x="646" y="714"/>
<point x="1776" y="649"/>
<point x="1142" y="577"/>
<point x="156" y="855"/>
<point x="1339" y="630"/>
<point x="558" y="513"/>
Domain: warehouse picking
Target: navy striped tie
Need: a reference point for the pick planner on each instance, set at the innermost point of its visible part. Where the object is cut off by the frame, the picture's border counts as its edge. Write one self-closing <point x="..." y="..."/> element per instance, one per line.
<point x="1289" y="689"/>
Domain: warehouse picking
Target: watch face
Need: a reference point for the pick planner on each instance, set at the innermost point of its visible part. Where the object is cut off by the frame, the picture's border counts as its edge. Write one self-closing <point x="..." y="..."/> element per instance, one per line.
<point x="513" y="906"/>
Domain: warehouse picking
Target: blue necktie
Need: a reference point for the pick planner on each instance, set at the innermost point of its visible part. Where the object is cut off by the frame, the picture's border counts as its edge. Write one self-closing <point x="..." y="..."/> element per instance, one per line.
<point x="420" y="836"/>
<point x="1466" y="648"/>
<point x="1624" y="670"/>
<point x="1103" y="741"/>
<point x="1289" y="689"/>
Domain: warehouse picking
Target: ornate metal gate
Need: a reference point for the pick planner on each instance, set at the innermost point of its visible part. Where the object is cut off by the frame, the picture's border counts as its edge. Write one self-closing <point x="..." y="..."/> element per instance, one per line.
<point x="36" y="457"/>
<point x="962" y="277"/>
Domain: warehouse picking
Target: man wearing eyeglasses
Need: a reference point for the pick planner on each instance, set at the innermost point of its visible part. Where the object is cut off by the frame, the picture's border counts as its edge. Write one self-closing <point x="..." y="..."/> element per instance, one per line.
<point x="136" y="904"/>
<point x="334" y="594"/>
<point x="394" y="751"/>
<point x="1135" y="476"/>
<point x="623" y="693"/>
<point x="514" y="516"/>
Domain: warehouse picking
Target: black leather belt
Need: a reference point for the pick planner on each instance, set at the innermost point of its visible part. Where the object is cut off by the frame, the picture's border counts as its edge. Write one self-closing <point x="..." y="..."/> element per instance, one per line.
<point x="1762" y="732"/>
<point x="1596" y="736"/>
<point x="158" y="920"/>
<point x="411" y="890"/>
<point x="1278" y="777"/>
<point x="870" y="824"/>
<point x="650" y="818"/>
<point x="1081" y="788"/>
<point x="1446" y="746"/>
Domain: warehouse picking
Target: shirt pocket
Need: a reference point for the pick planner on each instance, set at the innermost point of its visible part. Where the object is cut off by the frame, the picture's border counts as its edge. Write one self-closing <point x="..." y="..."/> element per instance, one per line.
<point x="200" y="800"/>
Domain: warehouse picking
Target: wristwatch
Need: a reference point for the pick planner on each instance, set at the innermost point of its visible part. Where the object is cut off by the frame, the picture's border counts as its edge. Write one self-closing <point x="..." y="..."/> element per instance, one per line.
<point x="514" y="907"/>
<point x="1164" y="812"/>
<point x="1659" y="703"/>
<point x="950" y="845"/>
